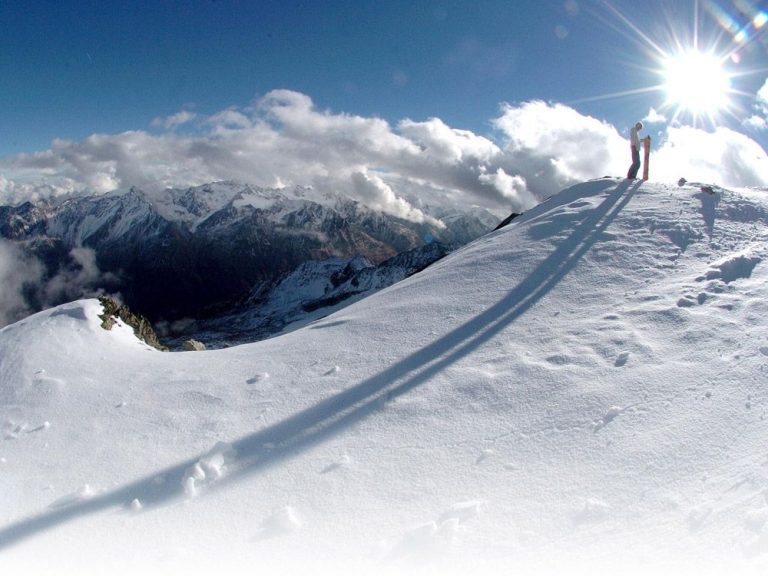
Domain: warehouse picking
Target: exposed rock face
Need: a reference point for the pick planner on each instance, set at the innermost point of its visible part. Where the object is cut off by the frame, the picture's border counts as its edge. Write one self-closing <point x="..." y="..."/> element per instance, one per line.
<point x="193" y="346"/>
<point x="141" y="326"/>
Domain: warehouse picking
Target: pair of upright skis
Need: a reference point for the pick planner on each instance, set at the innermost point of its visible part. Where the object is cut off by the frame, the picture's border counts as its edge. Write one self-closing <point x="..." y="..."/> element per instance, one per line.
<point x="646" y="155"/>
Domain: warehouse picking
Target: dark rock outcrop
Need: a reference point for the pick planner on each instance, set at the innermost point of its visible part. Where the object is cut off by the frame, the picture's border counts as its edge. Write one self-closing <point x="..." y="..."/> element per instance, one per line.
<point x="113" y="311"/>
<point x="507" y="220"/>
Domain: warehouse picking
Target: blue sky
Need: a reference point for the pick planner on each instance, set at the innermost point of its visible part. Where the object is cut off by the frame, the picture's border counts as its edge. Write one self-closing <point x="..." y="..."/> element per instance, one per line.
<point x="73" y="69"/>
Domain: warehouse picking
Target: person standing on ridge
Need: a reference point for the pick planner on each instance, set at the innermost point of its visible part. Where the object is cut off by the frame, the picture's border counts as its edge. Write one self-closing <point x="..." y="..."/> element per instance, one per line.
<point x="634" y="142"/>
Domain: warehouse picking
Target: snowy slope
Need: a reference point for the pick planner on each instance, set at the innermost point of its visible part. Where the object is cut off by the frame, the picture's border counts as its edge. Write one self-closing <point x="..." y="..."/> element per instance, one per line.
<point x="582" y="391"/>
<point x="314" y="290"/>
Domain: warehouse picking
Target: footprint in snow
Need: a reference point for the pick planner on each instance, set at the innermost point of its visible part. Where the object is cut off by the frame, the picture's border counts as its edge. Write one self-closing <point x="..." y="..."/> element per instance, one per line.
<point x="608" y="417"/>
<point x="433" y="539"/>
<point x="282" y="521"/>
<point x="11" y="430"/>
<point x="44" y="426"/>
<point x="342" y="462"/>
<point x="44" y="390"/>
<point x="621" y="359"/>
<point x="593" y="510"/>
<point x="209" y="468"/>
<point x="484" y="455"/>
<point x="257" y="378"/>
<point x="83" y="494"/>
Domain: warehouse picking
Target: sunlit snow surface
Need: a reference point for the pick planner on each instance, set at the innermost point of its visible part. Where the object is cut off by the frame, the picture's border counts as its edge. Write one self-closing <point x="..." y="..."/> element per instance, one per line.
<point x="583" y="391"/>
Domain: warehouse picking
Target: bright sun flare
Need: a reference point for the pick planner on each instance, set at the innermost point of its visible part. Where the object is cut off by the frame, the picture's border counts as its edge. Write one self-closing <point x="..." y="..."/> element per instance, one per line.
<point x="696" y="82"/>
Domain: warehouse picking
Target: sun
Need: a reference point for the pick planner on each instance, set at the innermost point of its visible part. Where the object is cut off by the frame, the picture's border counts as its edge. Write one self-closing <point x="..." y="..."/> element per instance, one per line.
<point x="696" y="82"/>
<point x="695" y="59"/>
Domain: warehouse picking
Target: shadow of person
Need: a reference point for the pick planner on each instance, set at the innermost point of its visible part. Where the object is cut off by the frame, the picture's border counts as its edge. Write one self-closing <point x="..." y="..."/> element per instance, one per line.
<point x="292" y="436"/>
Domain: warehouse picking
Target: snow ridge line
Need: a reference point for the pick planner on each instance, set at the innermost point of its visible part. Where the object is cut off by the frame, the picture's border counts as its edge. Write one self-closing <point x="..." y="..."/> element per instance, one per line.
<point x="331" y="416"/>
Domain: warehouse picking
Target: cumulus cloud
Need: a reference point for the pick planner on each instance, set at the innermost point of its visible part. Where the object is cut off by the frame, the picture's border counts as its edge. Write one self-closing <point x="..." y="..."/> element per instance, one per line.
<point x="756" y="122"/>
<point x="762" y="97"/>
<point x="377" y="194"/>
<point x="724" y="157"/>
<point x="553" y="145"/>
<point x="284" y="139"/>
<point x="230" y="118"/>
<point x="759" y="120"/>
<point x="509" y="186"/>
<point x="654" y="117"/>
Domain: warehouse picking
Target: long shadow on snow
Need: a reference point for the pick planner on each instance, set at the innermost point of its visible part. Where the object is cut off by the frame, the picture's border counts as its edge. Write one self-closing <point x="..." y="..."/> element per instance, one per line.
<point x="316" y="424"/>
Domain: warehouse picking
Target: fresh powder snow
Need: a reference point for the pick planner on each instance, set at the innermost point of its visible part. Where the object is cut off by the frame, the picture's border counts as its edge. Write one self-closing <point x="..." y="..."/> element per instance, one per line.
<point x="580" y="392"/>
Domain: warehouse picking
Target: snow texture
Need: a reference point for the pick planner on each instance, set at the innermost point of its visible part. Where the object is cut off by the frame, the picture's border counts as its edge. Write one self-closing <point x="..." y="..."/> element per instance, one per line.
<point x="580" y="392"/>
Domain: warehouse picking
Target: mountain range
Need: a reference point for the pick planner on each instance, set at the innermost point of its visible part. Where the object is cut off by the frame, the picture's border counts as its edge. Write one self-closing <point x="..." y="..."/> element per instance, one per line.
<point x="201" y="251"/>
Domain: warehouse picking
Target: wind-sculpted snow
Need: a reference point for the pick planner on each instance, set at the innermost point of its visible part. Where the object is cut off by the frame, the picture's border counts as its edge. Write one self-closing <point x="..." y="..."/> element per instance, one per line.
<point x="579" y="392"/>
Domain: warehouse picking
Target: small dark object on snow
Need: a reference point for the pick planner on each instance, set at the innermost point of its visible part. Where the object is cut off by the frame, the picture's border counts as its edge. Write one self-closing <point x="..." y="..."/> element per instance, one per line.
<point x="682" y="182"/>
<point x="707" y="189"/>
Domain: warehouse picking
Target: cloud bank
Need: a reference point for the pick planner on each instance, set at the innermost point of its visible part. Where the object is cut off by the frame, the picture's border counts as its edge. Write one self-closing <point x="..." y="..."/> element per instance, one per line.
<point x="18" y="272"/>
<point x="283" y="139"/>
<point x="26" y="285"/>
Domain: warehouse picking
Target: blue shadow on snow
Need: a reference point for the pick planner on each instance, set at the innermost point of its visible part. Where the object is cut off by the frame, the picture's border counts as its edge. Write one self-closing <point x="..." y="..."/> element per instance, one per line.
<point x="314" y="425"/>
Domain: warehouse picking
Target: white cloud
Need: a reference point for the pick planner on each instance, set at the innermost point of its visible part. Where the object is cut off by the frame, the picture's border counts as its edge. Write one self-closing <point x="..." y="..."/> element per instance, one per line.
<point x="762" y="97"/>
<point x="377" y="194"/>
<point x="654" y="117"/>
<point x="552" y="146"/>
<point x="440" y="141"/>
<point x="756" y="122"/>
<point x="17" y="271"/>
<point x="759" y="120"/>
<point x="513" y="187"/>
<point x="283" y="139"/>
<point x="230" y="118"/>
<point x="175" y="120"/>
<point x="25" y="286"/>
<point x="724" y="157"/>
<point x="75" y="280"/>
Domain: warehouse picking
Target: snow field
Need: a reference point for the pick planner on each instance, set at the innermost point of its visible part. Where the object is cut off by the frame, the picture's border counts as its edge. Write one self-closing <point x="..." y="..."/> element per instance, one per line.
<point x="581" y="391"/>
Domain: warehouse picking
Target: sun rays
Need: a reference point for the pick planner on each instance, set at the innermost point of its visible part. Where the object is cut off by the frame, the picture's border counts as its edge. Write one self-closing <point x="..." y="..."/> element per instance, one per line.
<point x="694" y="66"/>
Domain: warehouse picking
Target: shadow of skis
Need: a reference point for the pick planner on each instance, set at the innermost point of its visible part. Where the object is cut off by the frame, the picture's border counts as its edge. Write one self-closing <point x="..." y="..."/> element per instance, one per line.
<point x="314" y="425"/>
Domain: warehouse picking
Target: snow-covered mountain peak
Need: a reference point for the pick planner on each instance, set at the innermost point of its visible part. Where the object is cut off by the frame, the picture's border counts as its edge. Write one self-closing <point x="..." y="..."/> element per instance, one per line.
<point x="581" y="391"/>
